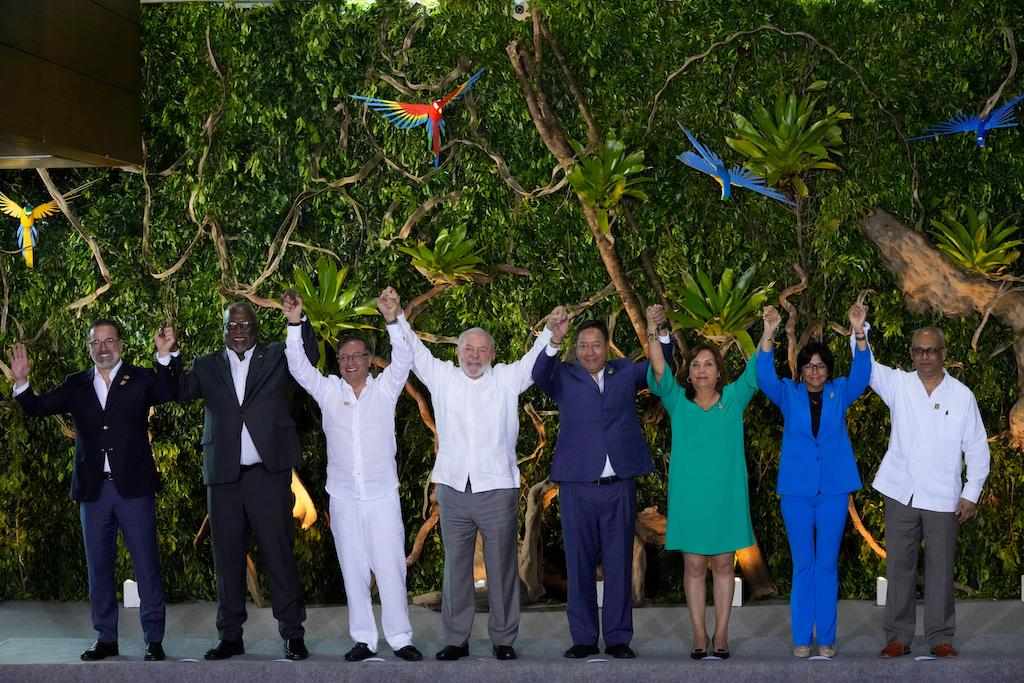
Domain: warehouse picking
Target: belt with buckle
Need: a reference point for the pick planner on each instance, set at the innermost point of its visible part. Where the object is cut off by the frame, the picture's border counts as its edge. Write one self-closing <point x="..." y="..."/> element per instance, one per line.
<point x="604" y="481"/>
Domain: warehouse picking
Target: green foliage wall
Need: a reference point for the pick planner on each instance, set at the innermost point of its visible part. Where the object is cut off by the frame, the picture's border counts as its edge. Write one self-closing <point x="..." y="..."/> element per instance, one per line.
<point x="904" y="66"/>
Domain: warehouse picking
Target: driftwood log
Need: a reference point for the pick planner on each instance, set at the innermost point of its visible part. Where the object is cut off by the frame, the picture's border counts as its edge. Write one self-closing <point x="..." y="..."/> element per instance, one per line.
<point x="931" y="283"/>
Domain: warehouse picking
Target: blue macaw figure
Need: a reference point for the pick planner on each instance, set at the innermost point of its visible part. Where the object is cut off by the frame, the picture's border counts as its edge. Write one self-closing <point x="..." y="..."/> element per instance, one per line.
<point x="980" y="126"/>
<point x="710" y="163"/>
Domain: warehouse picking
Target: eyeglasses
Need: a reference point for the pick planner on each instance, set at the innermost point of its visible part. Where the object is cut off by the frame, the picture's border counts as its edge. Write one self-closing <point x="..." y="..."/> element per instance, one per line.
<point x="240" y="324"/>
<point x="816" y="367"/>
<point x="109" y="341"/>
<point x="927" y="351"/>
<point x="342" y="359"/>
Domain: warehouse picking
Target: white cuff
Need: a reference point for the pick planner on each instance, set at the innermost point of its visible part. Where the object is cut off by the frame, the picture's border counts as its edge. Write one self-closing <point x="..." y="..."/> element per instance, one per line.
<point x="294" y="333"/>
<point x="551" y="350"/>
<point x="664" y="339"/>
<point x="20" y="390"/>
<point x="853" y="336"/>
<point x="166" y="360"/>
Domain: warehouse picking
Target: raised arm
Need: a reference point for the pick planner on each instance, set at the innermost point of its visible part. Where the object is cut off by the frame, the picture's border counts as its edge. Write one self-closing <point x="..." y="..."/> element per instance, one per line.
<point x="50" y="403"/>
<point x="767" y="377"/>
<point x="544" y="371"/>
<point x="289" y="301"/>
<point x="296" y="353"/>
<point x="522" y="369"/>
<point x="428" y="368"/>
<point x="655" y="353"/>
<point x="168" y="367"/>
<point x="397" y="372"/>
<point x="860" y="369"/>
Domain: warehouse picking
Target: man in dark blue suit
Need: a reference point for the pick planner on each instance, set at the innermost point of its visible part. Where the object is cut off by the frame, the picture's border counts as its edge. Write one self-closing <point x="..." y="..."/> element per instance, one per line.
<point x="115" y="477"/>
<point x="600" y="450"/>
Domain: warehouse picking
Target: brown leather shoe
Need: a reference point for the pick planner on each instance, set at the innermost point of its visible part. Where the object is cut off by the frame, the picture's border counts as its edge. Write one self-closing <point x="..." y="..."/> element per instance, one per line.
<point x="944" y="650"/>
<point x="894" y="649"/>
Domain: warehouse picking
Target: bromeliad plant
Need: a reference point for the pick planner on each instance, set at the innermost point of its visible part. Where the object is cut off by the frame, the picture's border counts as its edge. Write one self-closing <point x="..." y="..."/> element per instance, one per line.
<point x="721" y="313"/>
<point x="453" y="259"/>
<point x="784" y="144"/>
<point x="601" y="180"/>
<point x="973" y="243"/>
<point x="329" y="305"/>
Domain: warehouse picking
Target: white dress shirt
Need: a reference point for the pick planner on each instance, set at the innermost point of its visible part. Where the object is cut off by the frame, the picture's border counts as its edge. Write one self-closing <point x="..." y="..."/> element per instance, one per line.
<point x="102" y="391"/>
<point x="239" y="373"/>
<point x="477" y="420"/>
<point x="360" y="431"/>
<point x="932" y="437"/>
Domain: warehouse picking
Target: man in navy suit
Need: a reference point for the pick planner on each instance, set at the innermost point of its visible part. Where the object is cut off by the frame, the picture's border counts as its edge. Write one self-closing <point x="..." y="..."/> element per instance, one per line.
<point x="600" y="450"/>
<point x="114" y="478"/>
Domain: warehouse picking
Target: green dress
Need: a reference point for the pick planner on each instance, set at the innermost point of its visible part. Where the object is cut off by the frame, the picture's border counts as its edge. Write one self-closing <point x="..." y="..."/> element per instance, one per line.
<point x="708" y="501"/>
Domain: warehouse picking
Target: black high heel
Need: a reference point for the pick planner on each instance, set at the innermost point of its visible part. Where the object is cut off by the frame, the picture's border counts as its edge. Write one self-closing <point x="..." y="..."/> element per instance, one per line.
<point x="721" y="654"/>
<point x="701" y="653"/>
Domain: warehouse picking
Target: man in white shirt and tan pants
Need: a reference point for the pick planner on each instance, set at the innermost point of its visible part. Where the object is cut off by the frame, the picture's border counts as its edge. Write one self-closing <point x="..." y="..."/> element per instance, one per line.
<point x="362" y="477"/>
<point x="936" y="428"/>
<point x="476" y="408"/>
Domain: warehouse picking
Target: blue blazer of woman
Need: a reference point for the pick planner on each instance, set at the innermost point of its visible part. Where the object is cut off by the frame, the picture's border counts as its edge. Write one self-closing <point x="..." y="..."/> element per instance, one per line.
<point x="815" y="464"/>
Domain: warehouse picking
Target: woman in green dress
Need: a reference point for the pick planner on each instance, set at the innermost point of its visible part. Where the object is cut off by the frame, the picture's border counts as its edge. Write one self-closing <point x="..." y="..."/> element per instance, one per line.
<point x="708" y="502"/>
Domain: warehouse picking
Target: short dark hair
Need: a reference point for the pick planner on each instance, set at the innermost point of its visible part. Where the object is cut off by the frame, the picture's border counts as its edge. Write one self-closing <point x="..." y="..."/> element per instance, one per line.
<point x="98" y="322"/>
<point x="719" y="363"/>
<point x="811" y="348"/>
<point x="351" y="337"/>
<point x="593" y="324"/>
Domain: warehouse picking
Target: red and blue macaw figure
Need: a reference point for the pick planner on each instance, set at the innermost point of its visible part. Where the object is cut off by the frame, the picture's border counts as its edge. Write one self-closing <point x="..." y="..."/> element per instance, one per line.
<point x="27" y="234"/>
<point x="710" y="163"/>
<point x="405" y="115"/>
<point x="1004" y="117"/>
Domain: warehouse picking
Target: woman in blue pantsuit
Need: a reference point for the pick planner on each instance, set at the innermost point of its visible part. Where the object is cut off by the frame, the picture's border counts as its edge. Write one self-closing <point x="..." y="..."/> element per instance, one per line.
<point x="817" y="472"/>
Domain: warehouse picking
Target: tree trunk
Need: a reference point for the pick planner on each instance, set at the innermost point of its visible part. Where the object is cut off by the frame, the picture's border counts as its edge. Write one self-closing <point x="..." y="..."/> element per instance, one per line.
<point x="930" y="282"/>
<point x="531" y="556"/>
<point x="755" y="572"/>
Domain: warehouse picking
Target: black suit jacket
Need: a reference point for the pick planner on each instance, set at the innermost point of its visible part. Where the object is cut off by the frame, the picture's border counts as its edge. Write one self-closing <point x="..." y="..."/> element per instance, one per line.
<point x="264" y="409"/>
<point x="119" y="431"/>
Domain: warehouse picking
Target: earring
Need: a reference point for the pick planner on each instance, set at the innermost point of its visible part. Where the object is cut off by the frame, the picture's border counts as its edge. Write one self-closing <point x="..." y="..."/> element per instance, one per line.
<point x="688" y="381"/>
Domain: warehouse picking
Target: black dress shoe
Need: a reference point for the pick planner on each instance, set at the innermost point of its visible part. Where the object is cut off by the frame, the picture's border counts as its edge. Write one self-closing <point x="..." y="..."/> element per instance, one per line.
<point x="358" y="653"/>
<point x="504" y="652"/>
<point x="581" y="651"/>
<point x="620" y="651"/>
<point x="154" y="652"/>
<point x="452" y="652"/>
<point x="100" y="650"/>
<point x="409" y="653"/>
<point x="295" y="649"/>
<point x="224" y="649"/>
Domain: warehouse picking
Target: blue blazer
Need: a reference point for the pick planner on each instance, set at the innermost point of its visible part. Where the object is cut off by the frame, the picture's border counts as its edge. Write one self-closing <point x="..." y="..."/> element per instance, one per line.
<point x="593" y="424"/>
<point x="119" y="431"/>
<point x="824" y="464"/>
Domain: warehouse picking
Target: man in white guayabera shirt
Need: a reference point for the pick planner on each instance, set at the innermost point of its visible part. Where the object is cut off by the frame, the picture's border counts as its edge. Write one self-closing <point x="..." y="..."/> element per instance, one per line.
<point x="476" y="408"/>
<point x="362" y="478"/>
<point x="936" y="428"/>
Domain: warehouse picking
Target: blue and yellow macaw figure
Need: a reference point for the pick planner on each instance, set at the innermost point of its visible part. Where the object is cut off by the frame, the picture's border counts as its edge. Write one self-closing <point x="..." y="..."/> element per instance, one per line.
<point x="27" y="235"/>
<point x="710" y="163"/>
<point x="431" y="115"/>
<point x="979" y="125"/>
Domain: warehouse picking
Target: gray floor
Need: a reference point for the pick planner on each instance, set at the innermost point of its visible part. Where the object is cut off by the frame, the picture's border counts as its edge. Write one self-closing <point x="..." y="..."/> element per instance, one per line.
<point x="41" y="641"/>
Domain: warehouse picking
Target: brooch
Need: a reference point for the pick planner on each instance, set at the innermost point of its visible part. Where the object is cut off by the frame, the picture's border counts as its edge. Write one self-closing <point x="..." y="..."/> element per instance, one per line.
<point x="831" y="394"/>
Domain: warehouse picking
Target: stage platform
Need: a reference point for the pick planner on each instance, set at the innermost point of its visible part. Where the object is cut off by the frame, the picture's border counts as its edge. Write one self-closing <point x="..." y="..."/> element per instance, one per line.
<point x="41" y="641"/>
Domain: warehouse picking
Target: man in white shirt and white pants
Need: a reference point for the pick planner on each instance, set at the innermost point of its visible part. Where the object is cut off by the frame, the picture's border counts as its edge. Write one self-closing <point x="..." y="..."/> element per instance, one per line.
<point x="476" y="408"/>
<point x="362" y="478"/>
<point x="936" y="428"/>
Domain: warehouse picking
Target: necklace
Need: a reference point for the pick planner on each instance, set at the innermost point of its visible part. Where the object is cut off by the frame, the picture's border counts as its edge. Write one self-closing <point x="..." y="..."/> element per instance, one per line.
<point x="815" y="397"/>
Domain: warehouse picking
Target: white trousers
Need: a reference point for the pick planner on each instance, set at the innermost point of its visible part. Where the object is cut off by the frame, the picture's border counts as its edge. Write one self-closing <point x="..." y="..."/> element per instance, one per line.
<point x="369" y="537"/>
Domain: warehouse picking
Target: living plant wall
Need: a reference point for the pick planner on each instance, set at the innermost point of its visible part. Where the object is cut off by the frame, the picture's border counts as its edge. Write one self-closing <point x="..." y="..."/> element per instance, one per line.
<point x="258" y="164"/>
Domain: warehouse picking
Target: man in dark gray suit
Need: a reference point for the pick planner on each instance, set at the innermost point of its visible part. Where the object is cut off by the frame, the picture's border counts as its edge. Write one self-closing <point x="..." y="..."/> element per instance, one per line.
<point x="249" y="449"/>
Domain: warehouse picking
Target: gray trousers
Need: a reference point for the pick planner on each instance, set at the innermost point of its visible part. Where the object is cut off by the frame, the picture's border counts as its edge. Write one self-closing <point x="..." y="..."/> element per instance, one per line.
<point x="495" y="514"/>
<point x="905" y="527"/>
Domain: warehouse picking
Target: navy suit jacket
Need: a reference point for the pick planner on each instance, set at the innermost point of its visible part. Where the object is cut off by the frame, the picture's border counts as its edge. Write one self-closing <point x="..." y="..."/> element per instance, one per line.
<point x="824" y="463"/>
<point x="119" y="431"/>
<point x="595" y="424"/>
<point x="264" y="409"/>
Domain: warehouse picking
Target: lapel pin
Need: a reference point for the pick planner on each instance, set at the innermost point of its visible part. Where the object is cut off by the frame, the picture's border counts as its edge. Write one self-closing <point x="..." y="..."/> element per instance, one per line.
<point x="935" y="407"/>
<point x="124" y="380"/>
<point x="831" y="394"/>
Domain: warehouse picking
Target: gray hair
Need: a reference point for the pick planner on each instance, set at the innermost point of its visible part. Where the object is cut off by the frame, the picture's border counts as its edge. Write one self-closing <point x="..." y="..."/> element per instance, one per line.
<point x="238" y="304"/>
<point x="475" y="330"/>
<point x="930" y="330"/>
